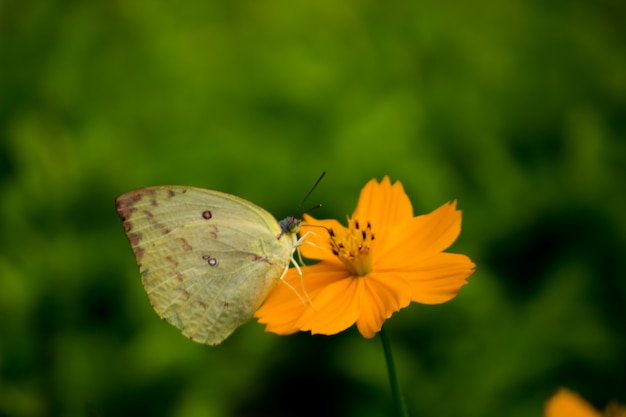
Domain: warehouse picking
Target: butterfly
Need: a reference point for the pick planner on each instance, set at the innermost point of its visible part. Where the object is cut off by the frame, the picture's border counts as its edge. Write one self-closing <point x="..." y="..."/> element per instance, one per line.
<point x="208" y="259"/>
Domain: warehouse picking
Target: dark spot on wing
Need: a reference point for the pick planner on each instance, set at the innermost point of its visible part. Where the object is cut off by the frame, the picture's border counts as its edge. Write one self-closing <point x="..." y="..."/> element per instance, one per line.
<point x="210" y="260"/>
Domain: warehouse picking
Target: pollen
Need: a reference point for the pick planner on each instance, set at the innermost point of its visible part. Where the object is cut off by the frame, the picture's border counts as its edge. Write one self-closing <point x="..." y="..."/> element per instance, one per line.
<point x="353" y="246"/>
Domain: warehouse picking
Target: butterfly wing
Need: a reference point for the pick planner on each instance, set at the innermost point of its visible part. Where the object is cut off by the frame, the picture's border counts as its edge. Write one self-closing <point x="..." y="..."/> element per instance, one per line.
<point x="208" y="259"/>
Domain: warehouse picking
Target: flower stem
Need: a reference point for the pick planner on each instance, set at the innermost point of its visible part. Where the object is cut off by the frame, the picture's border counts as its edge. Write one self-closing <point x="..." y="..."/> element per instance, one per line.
<point x="398" y="399"/>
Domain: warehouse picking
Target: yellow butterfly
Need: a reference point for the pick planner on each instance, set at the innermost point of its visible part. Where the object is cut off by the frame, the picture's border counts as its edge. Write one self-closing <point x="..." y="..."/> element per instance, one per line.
<point x="208" y="259"/>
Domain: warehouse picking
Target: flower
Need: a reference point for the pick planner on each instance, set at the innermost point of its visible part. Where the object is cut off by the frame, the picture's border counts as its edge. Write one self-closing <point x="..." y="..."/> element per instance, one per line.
<point x="565" y="403"/>
<point x="384" y="259"/>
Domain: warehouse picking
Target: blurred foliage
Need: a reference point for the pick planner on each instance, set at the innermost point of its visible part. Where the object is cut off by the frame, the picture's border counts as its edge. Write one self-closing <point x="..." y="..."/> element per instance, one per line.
<point x="517" y="109"/>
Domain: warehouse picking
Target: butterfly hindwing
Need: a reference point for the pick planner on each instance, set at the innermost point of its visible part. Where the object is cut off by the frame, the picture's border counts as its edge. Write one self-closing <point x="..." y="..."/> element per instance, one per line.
<point x="208" y="259"/>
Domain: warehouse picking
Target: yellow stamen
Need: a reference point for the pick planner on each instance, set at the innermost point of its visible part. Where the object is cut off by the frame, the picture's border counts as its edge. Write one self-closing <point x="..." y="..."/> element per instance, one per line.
<point x="352" y="246"/>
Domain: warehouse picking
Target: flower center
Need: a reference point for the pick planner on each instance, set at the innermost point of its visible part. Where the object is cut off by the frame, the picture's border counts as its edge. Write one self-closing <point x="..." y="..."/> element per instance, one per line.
<point x="352" y="246"/>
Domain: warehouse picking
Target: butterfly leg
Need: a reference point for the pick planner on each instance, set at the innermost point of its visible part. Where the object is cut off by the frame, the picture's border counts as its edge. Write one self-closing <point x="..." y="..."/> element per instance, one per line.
<point x="291" y="286"/>
<point x="296" y="248"/>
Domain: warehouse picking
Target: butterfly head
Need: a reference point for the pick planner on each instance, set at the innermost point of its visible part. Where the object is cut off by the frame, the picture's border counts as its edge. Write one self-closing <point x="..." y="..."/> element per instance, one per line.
<point x="289" y="226"/>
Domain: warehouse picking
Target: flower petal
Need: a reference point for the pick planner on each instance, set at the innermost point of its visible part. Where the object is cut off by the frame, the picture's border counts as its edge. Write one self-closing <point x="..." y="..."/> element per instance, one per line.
<point x="282" y="307"/>
<point x="566" y="403"/>
<point x="384" y="295"/>
<point x="439" y="278"/>
<point x="384" y="205"/>
<point x="334" y="309"/>
<point x="316" y="243"/>
<point x="407" y="243"/>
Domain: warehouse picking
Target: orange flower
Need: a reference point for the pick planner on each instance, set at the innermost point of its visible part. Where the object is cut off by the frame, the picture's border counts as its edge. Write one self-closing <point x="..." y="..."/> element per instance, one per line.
<point x="382" y="261"/>
<point x="566" y="403"/>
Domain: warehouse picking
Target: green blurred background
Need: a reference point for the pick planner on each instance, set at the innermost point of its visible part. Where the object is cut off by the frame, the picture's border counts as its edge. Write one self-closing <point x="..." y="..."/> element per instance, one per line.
<point x="516" y="108"/>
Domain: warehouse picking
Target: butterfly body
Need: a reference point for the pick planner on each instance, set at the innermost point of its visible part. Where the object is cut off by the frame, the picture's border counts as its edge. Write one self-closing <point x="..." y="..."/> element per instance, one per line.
<point x="207" y="259"/>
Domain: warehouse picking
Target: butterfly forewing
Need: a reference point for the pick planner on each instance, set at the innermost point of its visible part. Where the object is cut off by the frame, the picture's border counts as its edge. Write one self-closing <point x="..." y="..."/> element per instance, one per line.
<point x="208" y="259"/>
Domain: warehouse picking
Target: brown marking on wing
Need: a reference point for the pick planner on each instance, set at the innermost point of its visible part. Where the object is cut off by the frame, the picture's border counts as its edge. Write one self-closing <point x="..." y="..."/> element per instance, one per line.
<point x="164" y="229"/>
<point x="200" y="304"/>
<point x="213" y="231"/>
<point x="170" y="193"/>
<point x="185" y="293"/>
<point x="134" y="239"/>
<point x="124" y="204"/>
<point x="257" y="258"/>
<point x="185" y="245"/>
<point x="171" y="260"/>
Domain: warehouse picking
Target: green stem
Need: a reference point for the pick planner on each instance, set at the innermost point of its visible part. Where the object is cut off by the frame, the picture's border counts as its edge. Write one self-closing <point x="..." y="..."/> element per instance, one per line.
<point x="398" y="399"/>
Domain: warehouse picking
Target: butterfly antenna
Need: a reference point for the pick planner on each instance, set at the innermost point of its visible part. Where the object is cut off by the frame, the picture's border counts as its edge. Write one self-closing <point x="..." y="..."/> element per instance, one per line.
<point x="309" y="194"/>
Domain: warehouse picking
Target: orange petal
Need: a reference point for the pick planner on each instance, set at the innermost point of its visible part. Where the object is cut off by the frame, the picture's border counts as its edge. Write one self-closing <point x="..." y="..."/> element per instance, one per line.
<point x="384" y="294"/>
<point x="316" y="243"/>
<point x="282" y="307"/>
<point x="566" y="403"/>
<point x="383" y="205"/>
<point x="407" y="243"/>
<point x="439" y="278"/>
<point x="334" y="309"/>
